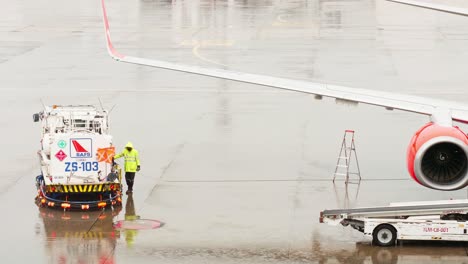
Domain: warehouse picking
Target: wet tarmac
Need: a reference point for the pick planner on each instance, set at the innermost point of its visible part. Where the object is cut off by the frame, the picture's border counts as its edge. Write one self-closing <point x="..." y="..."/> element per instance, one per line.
<point x="238" y="173"/>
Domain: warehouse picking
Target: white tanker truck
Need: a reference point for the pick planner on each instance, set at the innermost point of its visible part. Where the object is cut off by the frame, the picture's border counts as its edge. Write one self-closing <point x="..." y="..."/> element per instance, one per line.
<point x="76" y="153"/>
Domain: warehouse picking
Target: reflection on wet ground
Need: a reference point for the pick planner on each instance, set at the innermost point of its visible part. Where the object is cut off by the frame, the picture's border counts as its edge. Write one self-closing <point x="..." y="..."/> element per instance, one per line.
<point x="322" y="249"/>
<point x="130" y="214"/>
<point x="134" y="222"/>
<point x="91" y="237"/>
<point x="411" y="252"/>
<point x="84" y="237"/>
<point x="78" y="237"/>
<point x="87" y="237"/>
<point x="350" y="195"/>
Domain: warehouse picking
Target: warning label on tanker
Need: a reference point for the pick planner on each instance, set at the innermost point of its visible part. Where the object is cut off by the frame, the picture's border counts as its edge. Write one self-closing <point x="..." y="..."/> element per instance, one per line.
<point x="61" y="155"/>
<point x="62" y="144"/>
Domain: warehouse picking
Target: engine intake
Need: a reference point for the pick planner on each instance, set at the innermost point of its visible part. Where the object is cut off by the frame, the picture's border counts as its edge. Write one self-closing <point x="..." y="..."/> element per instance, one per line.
<point x="438" y="157"/>
<point x="444" y="162"/>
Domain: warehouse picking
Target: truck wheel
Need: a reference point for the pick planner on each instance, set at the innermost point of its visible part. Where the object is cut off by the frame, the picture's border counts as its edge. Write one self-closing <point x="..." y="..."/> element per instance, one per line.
<point x="384" y="235"/>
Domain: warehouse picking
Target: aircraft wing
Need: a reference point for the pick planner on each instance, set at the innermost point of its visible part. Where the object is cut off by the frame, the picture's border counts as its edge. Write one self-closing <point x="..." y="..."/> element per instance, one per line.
<point x="420" y="105"/>
<point x="438" y="7"/>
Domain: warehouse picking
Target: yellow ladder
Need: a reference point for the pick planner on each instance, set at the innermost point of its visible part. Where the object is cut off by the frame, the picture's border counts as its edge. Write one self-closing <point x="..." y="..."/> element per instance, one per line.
<point x="347" y="153"/>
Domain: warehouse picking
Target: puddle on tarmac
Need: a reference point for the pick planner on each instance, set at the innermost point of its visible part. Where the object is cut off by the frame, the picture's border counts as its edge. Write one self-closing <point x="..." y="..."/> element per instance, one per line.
<point x="133" y="221"/>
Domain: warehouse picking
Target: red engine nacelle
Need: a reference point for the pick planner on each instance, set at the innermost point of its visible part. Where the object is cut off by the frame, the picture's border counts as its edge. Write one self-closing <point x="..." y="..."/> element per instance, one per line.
<point x="438" y="157"/>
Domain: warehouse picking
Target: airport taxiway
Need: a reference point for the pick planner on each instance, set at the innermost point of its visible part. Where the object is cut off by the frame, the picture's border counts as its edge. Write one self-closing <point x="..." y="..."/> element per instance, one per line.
<point x="238" y="173"/>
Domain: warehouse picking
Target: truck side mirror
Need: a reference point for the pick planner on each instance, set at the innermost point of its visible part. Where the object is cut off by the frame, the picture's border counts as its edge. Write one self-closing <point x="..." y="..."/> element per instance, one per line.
<point x="36" y="117"/>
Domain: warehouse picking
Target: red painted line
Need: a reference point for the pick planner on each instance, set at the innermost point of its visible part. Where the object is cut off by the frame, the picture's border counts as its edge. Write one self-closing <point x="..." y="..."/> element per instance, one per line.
<point x="139" y="224"/>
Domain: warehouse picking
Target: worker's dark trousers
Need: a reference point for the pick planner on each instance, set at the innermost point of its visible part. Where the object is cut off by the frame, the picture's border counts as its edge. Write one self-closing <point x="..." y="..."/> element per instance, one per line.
<point x="129" y="178"/>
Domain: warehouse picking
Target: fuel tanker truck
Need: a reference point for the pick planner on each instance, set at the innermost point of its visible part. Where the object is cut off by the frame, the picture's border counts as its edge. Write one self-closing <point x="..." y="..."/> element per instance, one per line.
<point x="75" y="156"/>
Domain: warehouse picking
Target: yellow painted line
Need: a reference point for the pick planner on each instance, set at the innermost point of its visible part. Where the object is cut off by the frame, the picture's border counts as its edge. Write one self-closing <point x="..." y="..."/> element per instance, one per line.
<point x="197" y="54"/>
<point x="206" y="43"/>
<point x="280" y="18"/>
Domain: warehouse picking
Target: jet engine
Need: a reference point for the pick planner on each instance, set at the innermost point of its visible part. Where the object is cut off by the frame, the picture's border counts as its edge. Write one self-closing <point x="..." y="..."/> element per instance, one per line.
<point x="438" y="157"/>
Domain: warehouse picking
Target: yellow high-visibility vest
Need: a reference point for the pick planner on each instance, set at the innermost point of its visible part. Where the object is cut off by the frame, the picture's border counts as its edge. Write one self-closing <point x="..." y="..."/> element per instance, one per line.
<point x="132" y="161"/>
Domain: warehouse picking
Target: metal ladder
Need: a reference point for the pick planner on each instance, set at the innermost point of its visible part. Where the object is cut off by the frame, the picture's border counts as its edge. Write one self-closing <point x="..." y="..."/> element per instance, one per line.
<point x="348" y="148"/>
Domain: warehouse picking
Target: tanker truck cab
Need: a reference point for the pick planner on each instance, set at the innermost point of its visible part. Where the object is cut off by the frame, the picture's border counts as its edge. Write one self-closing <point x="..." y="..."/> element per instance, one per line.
<point x="76" y="159"/>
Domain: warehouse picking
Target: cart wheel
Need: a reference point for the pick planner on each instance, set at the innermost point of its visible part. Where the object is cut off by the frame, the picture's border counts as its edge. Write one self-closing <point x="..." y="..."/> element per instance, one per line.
<point x="384" y="235"/>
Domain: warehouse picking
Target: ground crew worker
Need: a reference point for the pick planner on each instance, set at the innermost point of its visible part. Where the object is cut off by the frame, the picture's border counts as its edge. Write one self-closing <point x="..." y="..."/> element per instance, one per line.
<point x="132" y="164"/>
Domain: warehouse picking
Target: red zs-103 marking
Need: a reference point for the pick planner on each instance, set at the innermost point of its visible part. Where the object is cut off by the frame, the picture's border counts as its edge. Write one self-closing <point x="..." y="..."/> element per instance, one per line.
<point x="436" y="229"/>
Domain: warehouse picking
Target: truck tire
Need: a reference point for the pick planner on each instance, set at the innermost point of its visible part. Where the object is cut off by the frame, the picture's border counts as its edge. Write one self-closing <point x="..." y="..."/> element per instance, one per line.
<point x="384" y="235"/>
